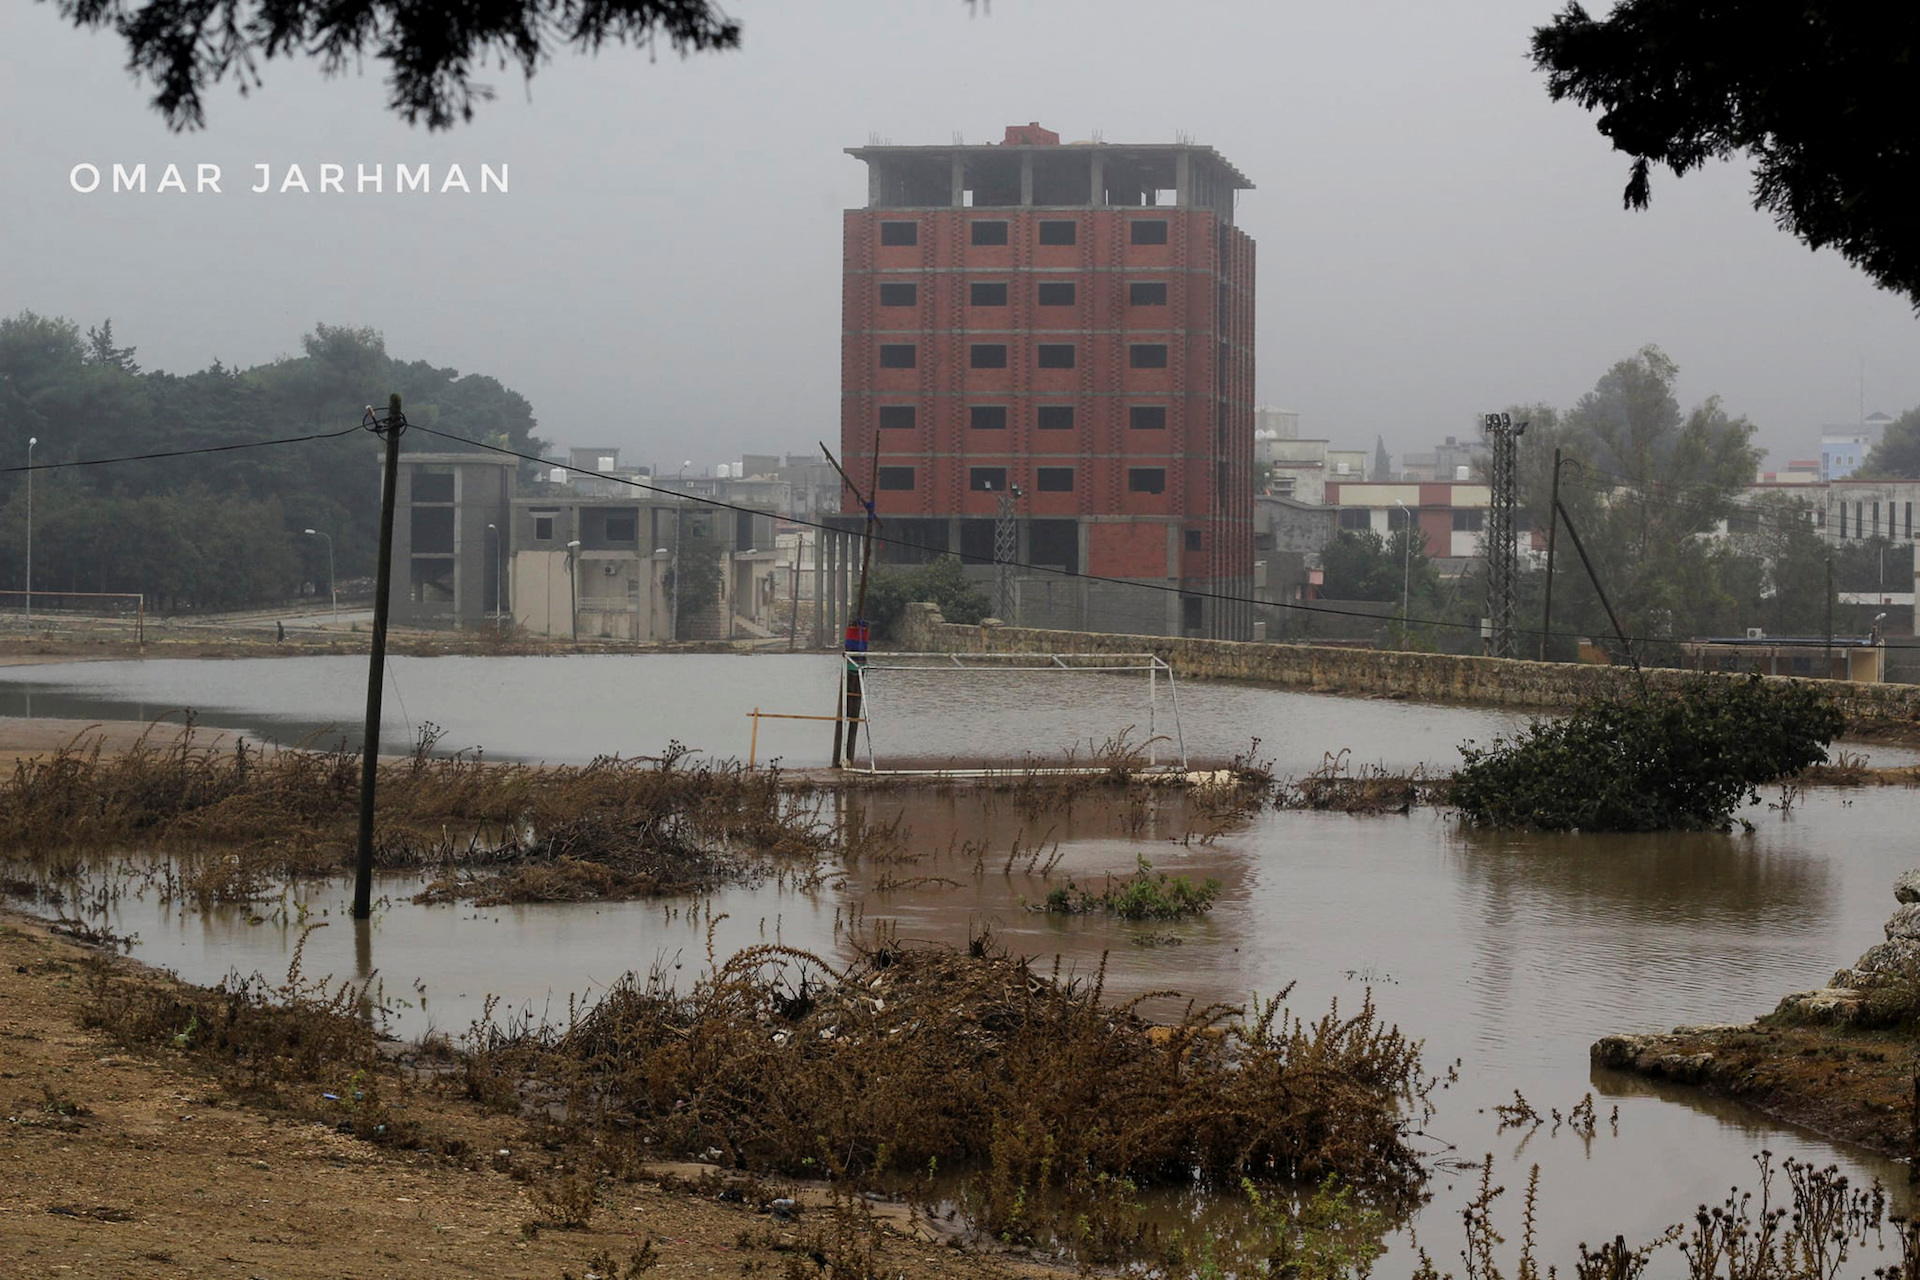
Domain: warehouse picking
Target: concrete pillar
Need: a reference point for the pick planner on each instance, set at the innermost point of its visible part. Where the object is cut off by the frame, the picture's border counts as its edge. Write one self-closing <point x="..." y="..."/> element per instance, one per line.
<point x="819" y="589"/>
<point x="959" y="180"/>
<point x="1183" y="179"/>
<point x="1026" y="177"/>
<point x="876" y="190"/>
<point x="1098" y="195"/>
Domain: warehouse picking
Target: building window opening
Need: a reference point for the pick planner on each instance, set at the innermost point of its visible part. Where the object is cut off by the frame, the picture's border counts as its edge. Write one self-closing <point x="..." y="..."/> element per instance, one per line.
<point x="1147" y="417"/>
<point x="623" y="528"/>
<point x="988" y="355"/>
<point x="1057" y="232"/>
<point x="1146" y="479"/>
<point x="897" y="417"/>
<point x="1056" y="295"/>
<point x="543" y="526"/>
<point x="1147" y="293"/>
<point x="989" y="417"/>
<point x="1196" y="541"/>
<point x="1148" y="231"/>
<point x="989" y="232"/>
<point x="1147" y="355"/>
<point x="1056" y="355"/>
<point x="896" y="478"/>
<point x="1054" y="479"/>
<point x="987" y="293"/>
<point x="900" y="233"/>
<point x="1054" y="417"/>
<point x="897" y="355"/>
<point x="898" y="295"/>
<point x="987" y="479"/>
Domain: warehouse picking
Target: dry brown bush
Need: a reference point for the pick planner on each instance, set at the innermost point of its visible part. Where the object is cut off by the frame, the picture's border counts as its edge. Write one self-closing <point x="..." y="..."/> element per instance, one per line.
<point x="1046" y="1098"/>
<point x="236" y="820"/>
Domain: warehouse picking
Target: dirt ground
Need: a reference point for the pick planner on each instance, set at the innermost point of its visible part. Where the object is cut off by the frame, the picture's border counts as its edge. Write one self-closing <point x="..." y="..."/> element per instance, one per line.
<point x="1859" y="1086"/>
<point x="142" y="1165"/>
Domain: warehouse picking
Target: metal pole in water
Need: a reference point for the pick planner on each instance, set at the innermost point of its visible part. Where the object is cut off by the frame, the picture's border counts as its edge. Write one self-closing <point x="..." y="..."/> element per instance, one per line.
<point x="391" y="428"/>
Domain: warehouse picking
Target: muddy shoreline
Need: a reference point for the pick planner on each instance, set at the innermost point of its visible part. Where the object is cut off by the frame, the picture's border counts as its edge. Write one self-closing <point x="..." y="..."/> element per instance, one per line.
<point x="146" y="1164"/>
<point x="1854" y="1086"/>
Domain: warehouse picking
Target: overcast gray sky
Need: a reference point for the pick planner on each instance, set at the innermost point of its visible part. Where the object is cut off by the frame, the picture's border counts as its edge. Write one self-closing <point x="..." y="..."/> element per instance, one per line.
<point x="1435" y="237"/>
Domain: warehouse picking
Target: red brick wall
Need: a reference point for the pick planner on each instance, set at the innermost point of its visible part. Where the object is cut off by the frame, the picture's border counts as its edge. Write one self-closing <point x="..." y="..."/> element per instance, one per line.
<point x="1209" y="303"/>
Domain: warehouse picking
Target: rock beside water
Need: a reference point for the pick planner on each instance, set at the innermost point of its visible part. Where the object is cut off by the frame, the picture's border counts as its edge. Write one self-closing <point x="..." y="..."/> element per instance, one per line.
<point x="1904" y="922"/>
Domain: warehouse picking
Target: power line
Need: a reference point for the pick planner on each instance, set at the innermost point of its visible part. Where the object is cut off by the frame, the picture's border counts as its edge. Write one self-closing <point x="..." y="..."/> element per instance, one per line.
<point x="1225" y="597"/>
<point x="181" y="453"/>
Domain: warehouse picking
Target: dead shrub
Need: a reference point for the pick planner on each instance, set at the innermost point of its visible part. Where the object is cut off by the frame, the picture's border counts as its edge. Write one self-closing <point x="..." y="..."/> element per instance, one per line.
<point x="235" y="821"/>
<point x="1045" y="1097"/>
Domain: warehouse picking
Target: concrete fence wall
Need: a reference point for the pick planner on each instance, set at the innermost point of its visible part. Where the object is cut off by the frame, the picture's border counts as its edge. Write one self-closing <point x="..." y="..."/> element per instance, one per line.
<point x="1427" y="677"/>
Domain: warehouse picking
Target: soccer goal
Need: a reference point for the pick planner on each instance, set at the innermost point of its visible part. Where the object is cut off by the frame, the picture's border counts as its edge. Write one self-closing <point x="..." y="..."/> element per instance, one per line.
<point x="981" y="714"/>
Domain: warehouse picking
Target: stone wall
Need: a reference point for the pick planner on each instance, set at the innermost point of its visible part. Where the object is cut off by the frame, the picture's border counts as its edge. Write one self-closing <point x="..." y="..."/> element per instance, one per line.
<point x="1426" y="677"/>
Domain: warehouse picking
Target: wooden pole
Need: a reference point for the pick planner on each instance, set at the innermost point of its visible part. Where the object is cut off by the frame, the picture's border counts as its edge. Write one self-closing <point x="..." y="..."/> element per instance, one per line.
<point x="1601" y="591"/>
<point x="377" y="662"/>
<point x="1553" y="527"/>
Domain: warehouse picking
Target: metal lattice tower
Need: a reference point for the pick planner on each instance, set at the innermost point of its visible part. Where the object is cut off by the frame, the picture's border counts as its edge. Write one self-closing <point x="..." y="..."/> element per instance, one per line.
<point x="1006" y="549"/>
<point x="1500" y="542"/>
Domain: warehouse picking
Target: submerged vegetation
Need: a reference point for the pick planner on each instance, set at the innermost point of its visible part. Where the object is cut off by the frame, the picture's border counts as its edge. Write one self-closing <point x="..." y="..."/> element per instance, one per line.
<point x="1145" y="895"/>
<point x="235" y="821"/>
<point x="1657" y="763"/>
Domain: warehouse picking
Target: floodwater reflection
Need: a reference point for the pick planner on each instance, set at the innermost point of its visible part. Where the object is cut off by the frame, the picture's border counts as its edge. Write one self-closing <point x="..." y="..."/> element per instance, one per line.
<point x="1508" y="953"/>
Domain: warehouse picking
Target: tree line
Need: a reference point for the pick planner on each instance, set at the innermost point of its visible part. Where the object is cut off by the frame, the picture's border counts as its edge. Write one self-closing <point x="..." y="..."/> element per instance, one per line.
<point x="214" y="530"/>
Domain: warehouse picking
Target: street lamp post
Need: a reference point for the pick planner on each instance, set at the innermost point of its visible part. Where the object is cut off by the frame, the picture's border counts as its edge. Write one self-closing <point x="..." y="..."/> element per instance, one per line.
<point x="679" y="528"/>
<point x="1406" y="563"/>
<point x="495" y="530"/>
<point x="31" y="441"/>
<point x="332" y="593"/>
<point x="573" y="587"/>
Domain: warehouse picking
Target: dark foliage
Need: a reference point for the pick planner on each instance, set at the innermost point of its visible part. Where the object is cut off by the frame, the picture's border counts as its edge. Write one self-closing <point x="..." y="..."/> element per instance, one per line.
<point x="1819" y="94"/>
<point x="223" y="529"/>
<point x="430" y="51"/>
<point x="943" y="582"/>
<point x="1660" y="763"/>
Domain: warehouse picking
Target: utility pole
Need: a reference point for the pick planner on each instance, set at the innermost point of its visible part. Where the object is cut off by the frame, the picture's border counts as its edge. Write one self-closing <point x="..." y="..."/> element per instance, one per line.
<point x="1553" y="527"/>
<point x="1006" y="550"/>
<point x="390" y="428"/>
<point x="1829" y="617"/>
<point x="1601" y="591"/>
<point x="31" y="441"/>
<point x="858" y="636"/>
<point x="1502" y="434"/>
<point x="1406" y="564"/>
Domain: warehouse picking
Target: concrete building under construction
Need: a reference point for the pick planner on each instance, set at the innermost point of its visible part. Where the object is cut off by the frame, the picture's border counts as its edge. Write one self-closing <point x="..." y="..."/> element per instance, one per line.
<point x="1072" y="326"/>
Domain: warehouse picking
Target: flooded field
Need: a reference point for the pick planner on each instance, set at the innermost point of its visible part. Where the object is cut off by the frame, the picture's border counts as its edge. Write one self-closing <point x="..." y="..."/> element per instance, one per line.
<point x="1507" y="953"/>
<point x="570" y="709"/>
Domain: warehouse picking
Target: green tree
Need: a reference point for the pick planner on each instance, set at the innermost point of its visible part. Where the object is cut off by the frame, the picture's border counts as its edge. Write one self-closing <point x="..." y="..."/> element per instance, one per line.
<point x="166" y="527"/>
<point x="1818" y="94"/>
<point x="1361" y="565"/>
<point x="941" y="581"/>
<point x="1896" y="455"/>
<point x="1646" y="485"/>
<point x="101" y="351"/>
<point x="182" y="46"/>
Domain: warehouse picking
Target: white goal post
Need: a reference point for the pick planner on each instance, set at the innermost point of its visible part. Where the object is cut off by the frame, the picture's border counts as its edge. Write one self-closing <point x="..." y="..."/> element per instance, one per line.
<point x="1156" y="669"/>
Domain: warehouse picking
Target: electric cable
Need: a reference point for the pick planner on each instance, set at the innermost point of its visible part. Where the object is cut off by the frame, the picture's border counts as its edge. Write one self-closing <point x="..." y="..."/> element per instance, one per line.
<point x="181" y="453"/>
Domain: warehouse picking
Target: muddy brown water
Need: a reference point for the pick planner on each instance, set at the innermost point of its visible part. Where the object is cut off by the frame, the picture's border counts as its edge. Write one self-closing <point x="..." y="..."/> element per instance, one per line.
<point x="1510" y="953"/>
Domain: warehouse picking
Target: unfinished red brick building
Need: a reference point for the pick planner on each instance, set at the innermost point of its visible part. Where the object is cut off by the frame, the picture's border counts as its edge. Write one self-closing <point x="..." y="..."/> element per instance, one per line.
<point x="1075" y="321"/>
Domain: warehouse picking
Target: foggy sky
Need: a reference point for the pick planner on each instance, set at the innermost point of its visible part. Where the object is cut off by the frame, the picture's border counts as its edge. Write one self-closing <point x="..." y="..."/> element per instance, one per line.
<point x="1435" y="237"/>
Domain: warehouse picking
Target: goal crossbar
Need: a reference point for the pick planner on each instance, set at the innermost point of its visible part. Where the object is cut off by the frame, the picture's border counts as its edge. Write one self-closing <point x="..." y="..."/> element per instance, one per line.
<point x="1153" y="665"/>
